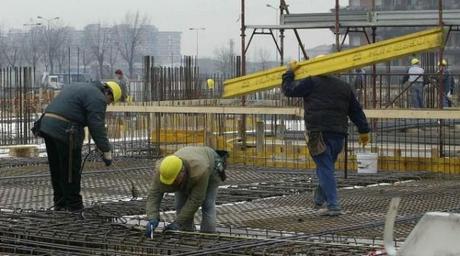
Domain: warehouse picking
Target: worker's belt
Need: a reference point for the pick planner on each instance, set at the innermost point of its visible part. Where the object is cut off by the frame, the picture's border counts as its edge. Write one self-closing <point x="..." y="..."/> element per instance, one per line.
<point x="51" y="115"/>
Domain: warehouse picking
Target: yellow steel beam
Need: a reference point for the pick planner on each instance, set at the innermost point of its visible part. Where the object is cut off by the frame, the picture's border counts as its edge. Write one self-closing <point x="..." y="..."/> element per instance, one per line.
<point x="338" y="62"/>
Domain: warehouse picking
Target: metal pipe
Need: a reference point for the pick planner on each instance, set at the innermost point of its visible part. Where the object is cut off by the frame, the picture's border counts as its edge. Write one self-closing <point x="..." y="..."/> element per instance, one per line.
<point x="441" y="82"/>
<point x="337" y="26"/>
<point x="284" y="6"/>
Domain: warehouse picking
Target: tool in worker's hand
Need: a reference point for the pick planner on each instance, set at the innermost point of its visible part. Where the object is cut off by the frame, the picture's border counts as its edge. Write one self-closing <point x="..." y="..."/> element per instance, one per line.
<point x="107" y="158"/>
<point x="133" y="189"/>
<point x="150" y="228"/>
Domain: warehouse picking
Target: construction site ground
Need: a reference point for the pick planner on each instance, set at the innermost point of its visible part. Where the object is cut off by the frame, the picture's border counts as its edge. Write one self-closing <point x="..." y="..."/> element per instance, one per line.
<point x="261" y="211"/>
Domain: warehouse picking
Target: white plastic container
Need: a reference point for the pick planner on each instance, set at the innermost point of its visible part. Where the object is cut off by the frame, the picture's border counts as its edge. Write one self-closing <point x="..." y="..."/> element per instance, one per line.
<point x="367" y="162"/>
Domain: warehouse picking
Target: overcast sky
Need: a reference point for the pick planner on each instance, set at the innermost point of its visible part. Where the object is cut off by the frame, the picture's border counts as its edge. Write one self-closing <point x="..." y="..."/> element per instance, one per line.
<point x="219" y="17"/>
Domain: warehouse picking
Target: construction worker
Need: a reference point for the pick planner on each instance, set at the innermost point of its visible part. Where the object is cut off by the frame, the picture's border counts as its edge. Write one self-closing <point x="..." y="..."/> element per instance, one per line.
<point x="328" y="101"/>
<point x="448" y="84"/>
<point x="122" y="80"/>
<point x="194" y="174"/>
<point x="77" y="106"/>
<point x="359" y="83"/>
<point x="210" y="84"/>
<point x="416" y="78"/>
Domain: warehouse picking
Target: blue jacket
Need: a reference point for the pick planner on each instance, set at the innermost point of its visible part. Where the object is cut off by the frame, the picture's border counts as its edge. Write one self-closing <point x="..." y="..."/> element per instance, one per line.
<point x="328" y="102"/>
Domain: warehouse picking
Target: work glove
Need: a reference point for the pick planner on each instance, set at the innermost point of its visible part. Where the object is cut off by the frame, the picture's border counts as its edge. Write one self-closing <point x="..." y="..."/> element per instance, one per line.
<point x="150" y="227"/>
<point x="363" y="139"/>
<point x="129" y="99"/>
<point x="107" y="158"/>
<point x="292" y="66"/>
<point x="171" y="227"/>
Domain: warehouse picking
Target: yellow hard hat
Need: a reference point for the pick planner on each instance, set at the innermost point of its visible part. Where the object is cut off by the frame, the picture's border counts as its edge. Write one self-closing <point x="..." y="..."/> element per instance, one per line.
<point x="443" y="62"/>
<point x="170" y="167"/>
<point x="414" y="61"/>
<point x="210" y="83"/>
<point x="116" y="90"/>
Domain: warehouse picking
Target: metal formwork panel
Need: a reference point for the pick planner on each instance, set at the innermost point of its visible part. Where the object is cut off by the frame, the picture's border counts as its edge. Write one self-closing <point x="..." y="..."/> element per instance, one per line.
<point x="409" y="18"/>
<point x="415" y="18"/>
<point x="326" y="20"/>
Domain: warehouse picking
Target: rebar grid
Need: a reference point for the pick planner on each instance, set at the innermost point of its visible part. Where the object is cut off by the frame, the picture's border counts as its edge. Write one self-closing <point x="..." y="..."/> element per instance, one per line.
<point x="364" y="210"/>
<point x="270" y="200"/>
<point x="22" y="187"/>
<point x="56" y="233"/>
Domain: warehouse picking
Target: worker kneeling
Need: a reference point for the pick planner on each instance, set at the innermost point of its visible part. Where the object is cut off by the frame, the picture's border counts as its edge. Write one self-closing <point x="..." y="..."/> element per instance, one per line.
<point x="194" y="174"/>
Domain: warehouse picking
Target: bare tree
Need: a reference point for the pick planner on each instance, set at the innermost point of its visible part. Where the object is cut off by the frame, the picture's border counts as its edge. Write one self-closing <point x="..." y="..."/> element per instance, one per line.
<point x="85" y="59"/>
<point x="53" y="39"/>
<point x="263" y="57"/>
<point x="9" y="47"/>
<point x="96" y="39"/>
<point x="31" y="47"/>
<point x="2" y="60"/>
<point x="112" y="56"/>
<point x="61" y="59"/>
<point x="130" y="36"/>
<point x="225" y="58"/>
<point x="63" y="54"/>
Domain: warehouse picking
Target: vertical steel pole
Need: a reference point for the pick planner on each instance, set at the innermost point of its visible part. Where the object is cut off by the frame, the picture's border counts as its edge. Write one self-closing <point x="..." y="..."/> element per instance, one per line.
<point x="243" y="71"/>
<point x="78" y="61"/>
<point x="70" y="78"/>
<point x="374" y="70"/>
<point x="337" y="47"/>
<point x="441" y="82"/>
<point x="337" y="24"/>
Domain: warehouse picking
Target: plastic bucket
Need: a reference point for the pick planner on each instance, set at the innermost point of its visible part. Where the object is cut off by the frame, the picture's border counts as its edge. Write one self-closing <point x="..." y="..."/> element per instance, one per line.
<point x="367" y="162"/>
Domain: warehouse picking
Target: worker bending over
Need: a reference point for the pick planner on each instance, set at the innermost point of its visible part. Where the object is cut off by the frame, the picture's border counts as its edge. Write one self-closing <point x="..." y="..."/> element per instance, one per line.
<point x="194" y="174"/>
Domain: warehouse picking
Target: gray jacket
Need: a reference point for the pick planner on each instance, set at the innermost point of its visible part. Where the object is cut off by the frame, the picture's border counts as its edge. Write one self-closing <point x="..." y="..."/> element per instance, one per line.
<point x="201" y="161"/>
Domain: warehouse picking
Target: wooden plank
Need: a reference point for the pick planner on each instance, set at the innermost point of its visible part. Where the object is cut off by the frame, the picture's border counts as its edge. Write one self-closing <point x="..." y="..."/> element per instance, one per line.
<point x="205" y="110"/>
<point x="22" y="150"/>
<point x="288" y="111"/>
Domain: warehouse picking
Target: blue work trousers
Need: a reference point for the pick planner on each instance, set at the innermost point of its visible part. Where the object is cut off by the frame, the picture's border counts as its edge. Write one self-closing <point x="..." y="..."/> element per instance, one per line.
<point x="416" y="95"/>
<point x="325" y="170"/>
<point x="208" y="207"/>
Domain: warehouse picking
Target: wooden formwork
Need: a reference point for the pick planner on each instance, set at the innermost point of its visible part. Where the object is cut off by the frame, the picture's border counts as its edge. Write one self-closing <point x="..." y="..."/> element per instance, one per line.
<point x="175" y="126"/>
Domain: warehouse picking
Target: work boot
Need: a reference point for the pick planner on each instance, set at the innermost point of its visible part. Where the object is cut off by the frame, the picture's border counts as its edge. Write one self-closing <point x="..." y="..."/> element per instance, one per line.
<point x="76" y="208"/>
<point x="59" y="208"/>
<point x="330" y="212"/>
<point x="318" y="199"/>
<point x="318" y="206"/>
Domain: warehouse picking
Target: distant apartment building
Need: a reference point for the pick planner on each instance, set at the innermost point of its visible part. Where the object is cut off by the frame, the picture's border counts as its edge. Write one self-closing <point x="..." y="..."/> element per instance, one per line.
<point x="165" y="46"/>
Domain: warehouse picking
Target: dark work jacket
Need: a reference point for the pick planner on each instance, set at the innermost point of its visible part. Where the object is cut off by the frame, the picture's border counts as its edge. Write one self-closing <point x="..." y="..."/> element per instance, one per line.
<point x="328" y="102"/>
<point x="84" y="104"/>
<point x="448" y="82"/>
